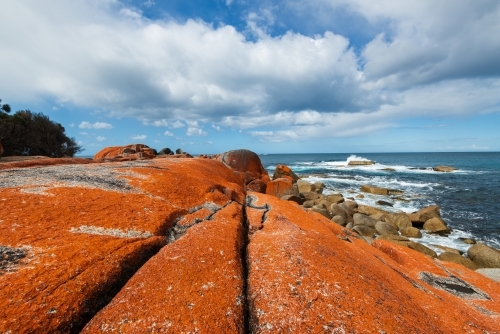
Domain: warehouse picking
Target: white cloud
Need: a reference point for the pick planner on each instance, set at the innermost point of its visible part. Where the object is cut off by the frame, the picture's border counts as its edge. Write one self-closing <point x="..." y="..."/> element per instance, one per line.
<point x="148" y="3"/>
<point x="100" y="138"/>
<point x="72" y="125"/>
<point x="429" y="59"/>
<point x="139" y="137"/>
<point x="168" y="133"/>
<point x="83" y="133"/>
<point x="194" y="131"/>
<point x="177" y="124"/>
<point x="96" y="125"/>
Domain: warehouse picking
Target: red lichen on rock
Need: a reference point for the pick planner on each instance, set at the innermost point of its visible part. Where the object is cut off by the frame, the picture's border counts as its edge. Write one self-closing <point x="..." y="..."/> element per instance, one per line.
<point x="82" y="244"/>
<point x="44" y="162"/>
<point x="247" y="166"/>
<point x="307" y="274"/>
<point x="125" y="153"/>
<point x="194" y="284"/>
<point x="280" y="187"/>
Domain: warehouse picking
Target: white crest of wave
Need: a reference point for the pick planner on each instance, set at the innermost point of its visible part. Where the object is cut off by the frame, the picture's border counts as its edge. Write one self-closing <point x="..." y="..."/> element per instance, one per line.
<point x="356" y="158"/>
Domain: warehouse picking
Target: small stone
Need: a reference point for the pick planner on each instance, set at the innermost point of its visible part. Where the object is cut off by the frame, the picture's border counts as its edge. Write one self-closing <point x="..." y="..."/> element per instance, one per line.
<point x="411" y="232"/>
<point x="384" y="203"/>
<point x="436" y="225"/>
<point x="468" y="241"/>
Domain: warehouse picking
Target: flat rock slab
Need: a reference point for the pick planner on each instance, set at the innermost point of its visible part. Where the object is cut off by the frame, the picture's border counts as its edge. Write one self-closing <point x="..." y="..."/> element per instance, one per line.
<point x="84" y="230"/>
<point x="309" y="275"/>
<point x="195" y="284"/>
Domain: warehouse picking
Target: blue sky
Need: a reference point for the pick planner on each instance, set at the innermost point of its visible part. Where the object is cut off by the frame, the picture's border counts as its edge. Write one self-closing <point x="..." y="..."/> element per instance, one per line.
<point x="347" y="76"/>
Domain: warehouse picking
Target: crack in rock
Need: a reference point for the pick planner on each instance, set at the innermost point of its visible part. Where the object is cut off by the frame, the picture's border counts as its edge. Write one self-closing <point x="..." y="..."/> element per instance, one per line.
<point x="177" y="231"/>
<point x="453" y="285"/>
<point x="250" y="202"/>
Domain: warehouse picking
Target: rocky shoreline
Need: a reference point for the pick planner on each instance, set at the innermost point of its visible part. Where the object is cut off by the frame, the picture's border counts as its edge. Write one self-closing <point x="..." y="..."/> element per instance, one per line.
<point x="214" y="244"/>
<point x="373" y="223"/>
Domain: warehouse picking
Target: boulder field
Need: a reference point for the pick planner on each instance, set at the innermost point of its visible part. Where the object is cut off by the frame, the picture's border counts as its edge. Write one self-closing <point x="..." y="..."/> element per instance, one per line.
<point x="185" y="246"/>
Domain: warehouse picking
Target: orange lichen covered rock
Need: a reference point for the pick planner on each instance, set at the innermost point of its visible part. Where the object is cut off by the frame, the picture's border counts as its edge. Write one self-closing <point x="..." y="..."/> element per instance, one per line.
<point x="247" y="166"/>
<point x="45" y="161"/>
<point x="73" y="235"/>
<point x="282" y="171"/>
<point x="194" y="284"/>
<point x="280" y="187"/>
<point x="125" y="153"/>
<point x="309" y="275"/>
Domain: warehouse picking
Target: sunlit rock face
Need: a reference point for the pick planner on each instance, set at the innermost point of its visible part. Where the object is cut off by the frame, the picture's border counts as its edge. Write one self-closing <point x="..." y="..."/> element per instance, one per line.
<point x="125" y="153"/>
<point x="181" y="245"/>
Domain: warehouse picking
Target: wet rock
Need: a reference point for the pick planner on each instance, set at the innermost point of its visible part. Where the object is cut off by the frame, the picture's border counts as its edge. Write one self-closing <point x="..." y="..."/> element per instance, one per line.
<point x="411" y="232"/>
<point x="485" y="256"/>
<point x="360" y="163"/>
<point x="423" y="215"/>
<point x="436" y="225"/>
<point x="380" y="191"/>
<point x="469" y="241"/>
<point x="457" y="258"/>
<point x="445" y="169"/>
<point x="384" y="203"/>
<point x="360" y="196"/>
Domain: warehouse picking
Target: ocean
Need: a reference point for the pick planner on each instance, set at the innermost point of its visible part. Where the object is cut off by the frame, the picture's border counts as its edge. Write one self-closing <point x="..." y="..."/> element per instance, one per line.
<point x="469" y="197"/>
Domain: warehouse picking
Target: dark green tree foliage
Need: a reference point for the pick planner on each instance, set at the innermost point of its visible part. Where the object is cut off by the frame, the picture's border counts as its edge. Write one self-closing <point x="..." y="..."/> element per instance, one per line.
<point x="27" y="133"/>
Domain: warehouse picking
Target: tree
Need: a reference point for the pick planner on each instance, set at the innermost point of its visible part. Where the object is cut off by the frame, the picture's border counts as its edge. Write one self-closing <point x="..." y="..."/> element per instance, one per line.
<point x="27" y="133"/>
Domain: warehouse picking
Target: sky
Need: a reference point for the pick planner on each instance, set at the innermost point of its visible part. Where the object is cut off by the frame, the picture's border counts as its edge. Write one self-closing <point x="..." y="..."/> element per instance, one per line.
<point x="283" y="76"/>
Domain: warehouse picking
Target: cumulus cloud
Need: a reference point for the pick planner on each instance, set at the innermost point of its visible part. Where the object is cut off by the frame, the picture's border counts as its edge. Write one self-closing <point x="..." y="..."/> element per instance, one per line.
<point x="194" y="129"/>
<point x="139" y="137"/>
<point x="425" y="60"/>
<point x="100" y="138"/>
<point x="96" y="125"/>
<point x="168" y="133"/>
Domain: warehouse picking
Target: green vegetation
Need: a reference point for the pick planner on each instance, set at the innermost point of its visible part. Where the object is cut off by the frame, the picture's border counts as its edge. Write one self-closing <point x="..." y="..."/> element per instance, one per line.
<point x="26" y="133"/>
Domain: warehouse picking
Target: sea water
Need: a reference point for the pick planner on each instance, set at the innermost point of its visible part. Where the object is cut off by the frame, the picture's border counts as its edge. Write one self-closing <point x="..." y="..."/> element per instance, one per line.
<point x="469" y="197"/>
